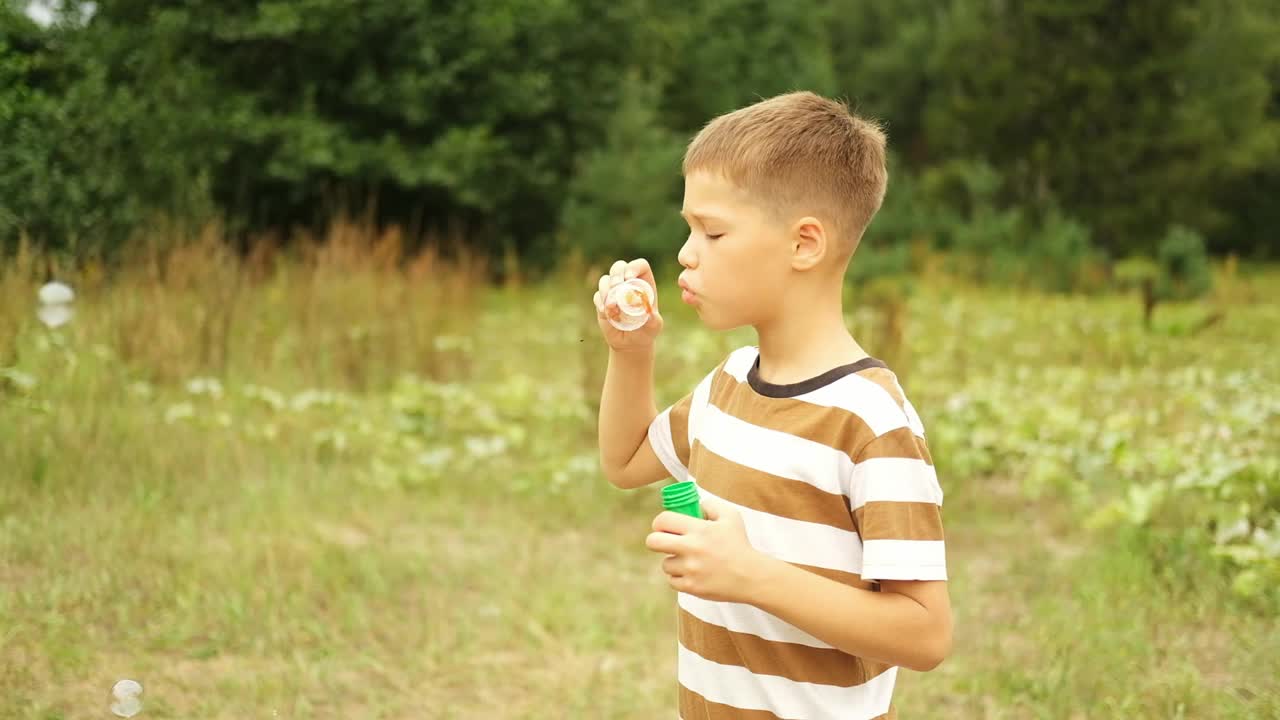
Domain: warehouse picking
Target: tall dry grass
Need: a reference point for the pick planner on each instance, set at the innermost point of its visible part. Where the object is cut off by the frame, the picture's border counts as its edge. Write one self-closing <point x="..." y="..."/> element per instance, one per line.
<point x="350" y="308"/>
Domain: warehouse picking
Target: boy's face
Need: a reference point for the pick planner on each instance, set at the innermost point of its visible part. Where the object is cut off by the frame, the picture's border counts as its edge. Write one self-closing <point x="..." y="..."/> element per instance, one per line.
<point x="737" y="259"/>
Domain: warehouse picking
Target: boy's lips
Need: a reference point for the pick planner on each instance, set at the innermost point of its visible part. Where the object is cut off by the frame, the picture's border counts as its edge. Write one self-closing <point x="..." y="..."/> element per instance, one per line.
<point x="687" y="295"/>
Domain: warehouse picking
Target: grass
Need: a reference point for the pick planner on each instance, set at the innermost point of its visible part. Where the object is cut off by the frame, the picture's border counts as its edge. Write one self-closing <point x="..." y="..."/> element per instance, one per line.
<point x="351" y="484"/>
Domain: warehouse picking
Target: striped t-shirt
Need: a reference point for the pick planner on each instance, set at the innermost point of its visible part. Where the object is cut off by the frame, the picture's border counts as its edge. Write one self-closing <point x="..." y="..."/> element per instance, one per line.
<point x="832" y="475"/>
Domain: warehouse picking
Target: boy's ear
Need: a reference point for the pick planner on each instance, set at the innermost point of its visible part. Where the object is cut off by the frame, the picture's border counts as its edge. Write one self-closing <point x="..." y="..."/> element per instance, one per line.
<point x="808" y="243"/>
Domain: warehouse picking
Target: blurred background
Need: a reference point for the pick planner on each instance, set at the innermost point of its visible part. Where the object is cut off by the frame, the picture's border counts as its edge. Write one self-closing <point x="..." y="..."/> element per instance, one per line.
<point x="299" y="367"/>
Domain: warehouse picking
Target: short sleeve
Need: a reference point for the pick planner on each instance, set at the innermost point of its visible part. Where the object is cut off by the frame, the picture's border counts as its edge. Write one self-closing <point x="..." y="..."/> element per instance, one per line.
<point x="897" y="509"/>
<point x="669" y="437"/>
<point x="672" y="432"/>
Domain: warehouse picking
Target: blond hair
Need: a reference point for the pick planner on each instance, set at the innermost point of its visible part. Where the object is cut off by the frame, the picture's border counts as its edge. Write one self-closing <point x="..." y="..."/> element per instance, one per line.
<point x="799" y="153"/>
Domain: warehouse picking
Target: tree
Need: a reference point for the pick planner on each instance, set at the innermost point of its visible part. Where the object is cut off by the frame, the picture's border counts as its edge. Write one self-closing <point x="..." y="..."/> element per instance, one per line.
<point x="1246" y="33"/>
<point x="1106" y="108"/>
<point x="886" y="63"/>
<point x="283" y="113"/>
<point x="731" y="53"/>
<point x="624" y="200"/>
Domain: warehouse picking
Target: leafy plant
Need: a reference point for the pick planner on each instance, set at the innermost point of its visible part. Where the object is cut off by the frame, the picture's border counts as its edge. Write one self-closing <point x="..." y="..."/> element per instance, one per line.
<point x="1180" y="271"/>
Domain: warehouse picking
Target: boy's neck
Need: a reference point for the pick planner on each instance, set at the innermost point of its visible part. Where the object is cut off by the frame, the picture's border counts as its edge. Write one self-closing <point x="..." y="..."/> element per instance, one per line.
<point x="806" y="339"/>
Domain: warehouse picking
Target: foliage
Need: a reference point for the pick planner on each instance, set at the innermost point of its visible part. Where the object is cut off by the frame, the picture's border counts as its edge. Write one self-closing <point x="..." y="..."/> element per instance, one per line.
<point x="1109" y="110"/>
<point x="730" y="53"/>
<point x="624" y="199"/>
<point x="1180" y="271"/>
<point x="1184" y="265"/>
<point x="461" y="113"/>
<point x="1067" y="397"/>
<point x="492" y="122"/>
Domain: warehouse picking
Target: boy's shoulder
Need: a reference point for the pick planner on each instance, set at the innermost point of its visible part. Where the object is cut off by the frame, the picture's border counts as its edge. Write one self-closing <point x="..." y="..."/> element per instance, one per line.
<point x="867" y="391"/>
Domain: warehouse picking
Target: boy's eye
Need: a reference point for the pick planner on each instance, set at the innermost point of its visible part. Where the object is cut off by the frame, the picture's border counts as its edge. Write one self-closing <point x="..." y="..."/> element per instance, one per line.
<point x="714" y="236"/>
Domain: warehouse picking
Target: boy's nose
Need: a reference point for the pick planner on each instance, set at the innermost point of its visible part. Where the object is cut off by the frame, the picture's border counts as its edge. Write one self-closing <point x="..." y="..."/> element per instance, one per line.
<point x="686" y="257"/>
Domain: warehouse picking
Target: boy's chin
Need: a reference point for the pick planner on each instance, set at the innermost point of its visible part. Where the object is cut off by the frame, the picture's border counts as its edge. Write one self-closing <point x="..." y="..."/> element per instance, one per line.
<point x="720" y="324"/>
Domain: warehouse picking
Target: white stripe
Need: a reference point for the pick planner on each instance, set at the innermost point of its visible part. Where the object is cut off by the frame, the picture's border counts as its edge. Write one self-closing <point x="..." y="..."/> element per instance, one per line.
<point x="904" y="560"/>
<point x="864" y="398"/>
<point x="894" y="480"/>
<point x="854" y="393"/>
<point x="660" y="438"/>
<point x="740" y="688"/>
<point x="664" y="448"/>
<point x="798" y="541"/>
<point x="701" y="396"/>
<point x="774" y="452"/>
<point x="740" y="362"/>
<point x="749" y="619"/>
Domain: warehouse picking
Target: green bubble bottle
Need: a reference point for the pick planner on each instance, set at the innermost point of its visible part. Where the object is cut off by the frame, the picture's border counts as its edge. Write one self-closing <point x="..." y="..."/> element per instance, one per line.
<point x="682" y="497"/>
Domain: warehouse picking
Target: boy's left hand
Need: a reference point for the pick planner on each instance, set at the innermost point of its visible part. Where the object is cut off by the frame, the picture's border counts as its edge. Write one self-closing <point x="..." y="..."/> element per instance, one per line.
<point x="709" y="558"/>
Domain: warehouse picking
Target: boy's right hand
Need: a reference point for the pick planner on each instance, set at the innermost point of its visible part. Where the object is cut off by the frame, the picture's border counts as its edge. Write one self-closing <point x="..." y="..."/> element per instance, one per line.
<point x="642" y="337"/>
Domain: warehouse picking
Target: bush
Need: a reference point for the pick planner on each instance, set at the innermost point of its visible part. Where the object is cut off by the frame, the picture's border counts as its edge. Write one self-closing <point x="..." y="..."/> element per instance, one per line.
<point x="1180" y="271"/>
<point x="1183" y="262"/>
<point x="1061" y="253"/>
<point x="624" y="200"/>
<point x="907" y="215"/>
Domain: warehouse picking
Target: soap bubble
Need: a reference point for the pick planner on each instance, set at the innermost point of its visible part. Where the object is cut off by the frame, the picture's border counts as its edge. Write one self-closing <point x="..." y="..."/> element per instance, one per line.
<point x="205" y="386"/>
<point x="56" y="293"/>
<point x="126" y="689"/>
<point x="126" y="694"/>
<point x="126" y="708"/>
<point x="55" y="304"/>
<point x="634" y="300"/>
<point x="55" y="315"/>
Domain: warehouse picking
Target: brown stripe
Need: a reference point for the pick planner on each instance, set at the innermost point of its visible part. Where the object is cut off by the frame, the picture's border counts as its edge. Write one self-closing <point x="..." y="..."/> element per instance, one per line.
<point x="680" y="427"/>
<point x="799" y="663"/>
<point x="886" y="379"/>
<point x="680" y="415"/>
<point x="886" y="520"/>
<point x="924" y="450"/>
<point x="889" y="381"/>
<point x="899" y="443"/>
<point x="840" y="576"/>
<point x="831" y="426"/>
<point x="695" y="707"/>
<point x="759" y="490"/>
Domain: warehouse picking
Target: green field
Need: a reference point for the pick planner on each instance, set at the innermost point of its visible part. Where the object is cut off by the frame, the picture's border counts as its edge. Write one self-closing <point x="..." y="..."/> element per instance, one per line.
<point x="324" y="489"/>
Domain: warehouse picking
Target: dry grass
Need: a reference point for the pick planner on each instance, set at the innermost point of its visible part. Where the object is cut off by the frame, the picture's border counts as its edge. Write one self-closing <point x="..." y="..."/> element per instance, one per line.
<point x="188" y="308"/>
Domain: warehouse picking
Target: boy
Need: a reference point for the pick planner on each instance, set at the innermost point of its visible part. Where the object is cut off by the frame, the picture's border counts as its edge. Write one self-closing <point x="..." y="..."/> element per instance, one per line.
<point x="820" y="568"/>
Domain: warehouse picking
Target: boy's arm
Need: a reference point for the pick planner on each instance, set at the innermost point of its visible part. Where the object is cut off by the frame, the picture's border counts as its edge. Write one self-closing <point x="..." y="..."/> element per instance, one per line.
<point x="907" y="623"/>
<point x="896" y="503"/>
<point x="626" y="402"/>
<point x="626" y="410"/>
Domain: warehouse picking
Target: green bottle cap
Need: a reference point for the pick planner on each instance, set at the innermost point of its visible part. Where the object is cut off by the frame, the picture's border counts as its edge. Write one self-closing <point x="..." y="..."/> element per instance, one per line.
<point x="682" y="497"/>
